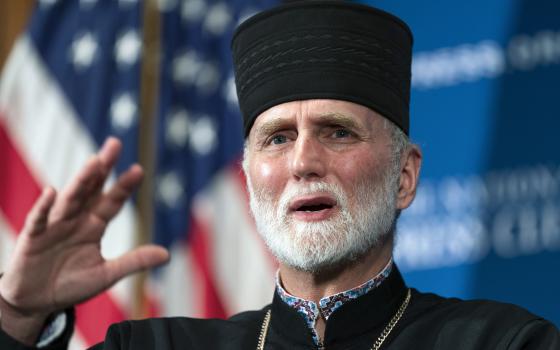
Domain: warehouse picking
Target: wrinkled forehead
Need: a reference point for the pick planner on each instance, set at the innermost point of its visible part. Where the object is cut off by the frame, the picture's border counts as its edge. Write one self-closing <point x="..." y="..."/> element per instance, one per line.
<point x="315" y="112"/>
<point x="329" y="50"/>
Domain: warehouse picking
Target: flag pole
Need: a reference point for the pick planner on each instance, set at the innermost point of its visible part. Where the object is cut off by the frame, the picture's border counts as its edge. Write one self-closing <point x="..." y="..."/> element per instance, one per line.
<point x="13" y="16"/>
<point x="149" y="87"/>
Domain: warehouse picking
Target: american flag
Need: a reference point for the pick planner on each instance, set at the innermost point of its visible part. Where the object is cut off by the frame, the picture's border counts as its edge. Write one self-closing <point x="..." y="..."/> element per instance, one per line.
<point x="73" y="78"/>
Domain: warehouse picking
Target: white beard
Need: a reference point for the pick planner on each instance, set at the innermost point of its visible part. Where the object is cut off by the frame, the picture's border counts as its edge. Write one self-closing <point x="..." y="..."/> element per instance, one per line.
<point x="347" y="236"/>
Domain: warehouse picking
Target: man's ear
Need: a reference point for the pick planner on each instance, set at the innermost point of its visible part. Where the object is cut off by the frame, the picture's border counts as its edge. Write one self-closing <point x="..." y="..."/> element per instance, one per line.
<point x="411" y="162"/>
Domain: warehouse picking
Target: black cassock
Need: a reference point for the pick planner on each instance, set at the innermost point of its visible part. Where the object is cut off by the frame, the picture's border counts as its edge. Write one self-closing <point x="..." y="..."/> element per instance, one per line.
<point x="429" y="322"/>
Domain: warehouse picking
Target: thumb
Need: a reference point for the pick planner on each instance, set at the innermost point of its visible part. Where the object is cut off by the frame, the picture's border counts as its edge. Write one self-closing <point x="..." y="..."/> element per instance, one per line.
<point x="141" y="258"/>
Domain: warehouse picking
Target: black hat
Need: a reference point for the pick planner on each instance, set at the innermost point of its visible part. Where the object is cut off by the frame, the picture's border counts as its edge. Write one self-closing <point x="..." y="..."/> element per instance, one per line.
<point x="323" y="49"/>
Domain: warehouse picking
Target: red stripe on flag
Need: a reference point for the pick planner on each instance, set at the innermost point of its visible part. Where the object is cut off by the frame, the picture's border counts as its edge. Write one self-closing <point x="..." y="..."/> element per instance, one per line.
<point x="95" y="316"/>
<point x="152" y="305"/>
<point x="18" y="191"/>
<point x="212" y="306"/>
<point x="18" y="187"/>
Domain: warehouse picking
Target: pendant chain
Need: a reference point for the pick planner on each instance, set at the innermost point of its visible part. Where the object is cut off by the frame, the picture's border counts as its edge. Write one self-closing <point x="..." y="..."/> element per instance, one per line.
<point x="376" y="346"/>
<point x="264" y="330"/>
<point x="389" y="327"/>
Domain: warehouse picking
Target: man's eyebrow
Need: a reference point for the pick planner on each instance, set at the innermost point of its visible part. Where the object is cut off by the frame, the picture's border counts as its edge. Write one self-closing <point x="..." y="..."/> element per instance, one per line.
<point x="271" y="126"/>
<point x="338" y="119"/>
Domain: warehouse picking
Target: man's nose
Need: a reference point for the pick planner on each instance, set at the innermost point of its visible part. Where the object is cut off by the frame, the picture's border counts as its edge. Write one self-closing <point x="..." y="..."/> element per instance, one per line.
<point x="308" y="158"/>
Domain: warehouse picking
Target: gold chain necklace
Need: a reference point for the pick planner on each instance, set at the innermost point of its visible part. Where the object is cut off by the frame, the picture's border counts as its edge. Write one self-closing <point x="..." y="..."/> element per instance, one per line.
<point x="386" y="331"/>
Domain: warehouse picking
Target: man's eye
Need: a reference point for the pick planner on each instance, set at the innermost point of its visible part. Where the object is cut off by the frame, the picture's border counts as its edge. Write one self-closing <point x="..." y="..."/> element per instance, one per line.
<point x="278" y="139"/>
<point x="341" y="133"/>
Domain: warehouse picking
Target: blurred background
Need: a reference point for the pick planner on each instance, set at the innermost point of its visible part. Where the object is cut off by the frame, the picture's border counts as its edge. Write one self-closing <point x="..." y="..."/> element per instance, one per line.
<point x="157" y="74"/>
<point x="486" y="221"/>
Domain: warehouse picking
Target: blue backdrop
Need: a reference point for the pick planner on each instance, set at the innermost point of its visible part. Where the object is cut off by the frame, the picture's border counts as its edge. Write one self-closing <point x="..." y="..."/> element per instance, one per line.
<point x="485" y="110"/>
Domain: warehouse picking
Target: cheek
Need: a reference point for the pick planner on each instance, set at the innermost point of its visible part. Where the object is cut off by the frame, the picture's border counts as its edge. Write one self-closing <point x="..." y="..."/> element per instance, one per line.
<point x="266" y="175"/>
<point x="363" y="171"/>
<point x="265" y="171"/>
<point x="357" y="169"/>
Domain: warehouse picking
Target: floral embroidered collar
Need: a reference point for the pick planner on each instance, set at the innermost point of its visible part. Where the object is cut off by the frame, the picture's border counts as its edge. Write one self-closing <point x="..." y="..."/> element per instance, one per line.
<point x="329" y="304"/>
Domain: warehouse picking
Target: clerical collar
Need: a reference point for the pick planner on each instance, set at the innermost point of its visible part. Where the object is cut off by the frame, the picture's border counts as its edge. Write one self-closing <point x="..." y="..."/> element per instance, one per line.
<point x="329" y="304"/>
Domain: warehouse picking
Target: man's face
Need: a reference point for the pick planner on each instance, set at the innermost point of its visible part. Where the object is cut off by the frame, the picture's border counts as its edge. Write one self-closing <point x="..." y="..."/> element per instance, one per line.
<point x="322" y="181"/>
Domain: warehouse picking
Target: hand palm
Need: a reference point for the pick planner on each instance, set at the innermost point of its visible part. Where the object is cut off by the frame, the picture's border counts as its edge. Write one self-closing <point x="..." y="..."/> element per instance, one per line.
<point x="76" y="261"/>
<point x="57" y="261"/>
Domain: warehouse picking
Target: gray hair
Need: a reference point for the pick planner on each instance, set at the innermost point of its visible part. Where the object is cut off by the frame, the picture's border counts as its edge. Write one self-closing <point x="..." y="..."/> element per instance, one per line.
<point x="400" y="142"/>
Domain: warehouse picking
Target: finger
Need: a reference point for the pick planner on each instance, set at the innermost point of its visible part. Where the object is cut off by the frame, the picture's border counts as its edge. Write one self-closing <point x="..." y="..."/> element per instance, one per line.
<point x="79" y="192"/>
<point x="141" y="258"/>
<point x="86" y="182"/>
<point x="111" y="202"/>
<point x="109" y="154"/>
<point x="36" y="220"/>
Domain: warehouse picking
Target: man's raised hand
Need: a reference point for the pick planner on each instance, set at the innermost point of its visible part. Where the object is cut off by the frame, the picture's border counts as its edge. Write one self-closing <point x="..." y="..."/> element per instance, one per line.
<point x="57" y="260"/>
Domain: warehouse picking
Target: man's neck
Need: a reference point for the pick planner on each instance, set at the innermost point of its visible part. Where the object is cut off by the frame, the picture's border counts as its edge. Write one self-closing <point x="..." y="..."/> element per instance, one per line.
<point x="314" y="286"/>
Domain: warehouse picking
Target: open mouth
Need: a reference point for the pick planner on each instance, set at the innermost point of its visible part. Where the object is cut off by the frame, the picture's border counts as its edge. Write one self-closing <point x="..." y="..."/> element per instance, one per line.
<point x="312" y="204"/>
<point x="310" y="208"/>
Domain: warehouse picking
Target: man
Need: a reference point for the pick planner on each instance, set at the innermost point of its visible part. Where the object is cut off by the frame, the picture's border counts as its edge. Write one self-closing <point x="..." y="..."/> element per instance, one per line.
<point x="324" y="90"/>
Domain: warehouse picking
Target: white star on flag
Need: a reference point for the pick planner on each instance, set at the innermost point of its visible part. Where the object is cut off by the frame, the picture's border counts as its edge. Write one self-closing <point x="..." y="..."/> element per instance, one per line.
<point x="178" y="128"/>
<point x="203" y="136"/>
<point x="123" y="112"/>
<point x="217" y="19"/>
<point x="83" y="50"/>
<point x="170" y="189"/>
<point x="128" y="48"/>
